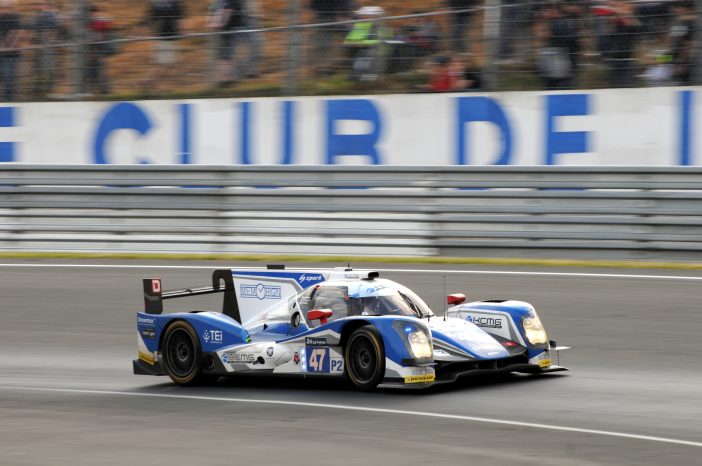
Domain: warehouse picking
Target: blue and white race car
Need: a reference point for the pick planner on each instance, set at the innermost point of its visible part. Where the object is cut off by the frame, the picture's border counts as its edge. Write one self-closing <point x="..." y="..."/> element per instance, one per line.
<point x="335" y="322"/>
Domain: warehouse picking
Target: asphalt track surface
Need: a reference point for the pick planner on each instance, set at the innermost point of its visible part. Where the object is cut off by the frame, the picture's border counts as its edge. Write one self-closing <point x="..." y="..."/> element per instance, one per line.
<point x="634" y="395"/>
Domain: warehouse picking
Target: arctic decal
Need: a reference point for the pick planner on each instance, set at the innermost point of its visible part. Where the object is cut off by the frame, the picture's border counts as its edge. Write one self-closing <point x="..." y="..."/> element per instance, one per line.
<point x="315" y="341"/>
<point x="212" y="336"/>
<point x="148" y="332"/>
<point x="260" y="291"/>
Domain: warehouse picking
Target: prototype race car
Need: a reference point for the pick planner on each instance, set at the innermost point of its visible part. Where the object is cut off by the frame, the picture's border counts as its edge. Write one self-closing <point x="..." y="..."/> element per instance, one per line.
<point x="335" y="322"/>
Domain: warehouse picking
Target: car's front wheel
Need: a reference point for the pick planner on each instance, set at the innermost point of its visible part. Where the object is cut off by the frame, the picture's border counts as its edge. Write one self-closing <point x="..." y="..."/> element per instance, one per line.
<point x="365" y="358"/>
<point x="182" y="355"/>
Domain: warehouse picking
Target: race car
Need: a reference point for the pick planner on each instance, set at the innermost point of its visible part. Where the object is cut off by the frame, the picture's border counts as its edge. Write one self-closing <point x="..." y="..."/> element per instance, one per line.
<point x="337" y="322"/>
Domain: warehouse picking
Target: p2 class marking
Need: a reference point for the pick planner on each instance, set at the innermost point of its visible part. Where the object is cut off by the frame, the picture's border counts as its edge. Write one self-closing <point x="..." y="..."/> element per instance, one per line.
<point x="532" y="425"/>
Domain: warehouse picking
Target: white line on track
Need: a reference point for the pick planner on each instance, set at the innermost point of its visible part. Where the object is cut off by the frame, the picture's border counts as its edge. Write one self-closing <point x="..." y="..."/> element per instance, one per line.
<point x="457" y="417"/>
<point x="427" y="271"/>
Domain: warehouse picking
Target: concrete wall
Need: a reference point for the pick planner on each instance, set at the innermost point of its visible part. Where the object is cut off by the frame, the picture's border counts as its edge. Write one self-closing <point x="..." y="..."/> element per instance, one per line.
<point x="657" y="126"/>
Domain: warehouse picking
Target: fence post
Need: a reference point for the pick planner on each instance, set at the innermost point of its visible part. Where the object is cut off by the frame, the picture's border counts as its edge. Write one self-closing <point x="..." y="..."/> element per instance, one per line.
<point x="79" y="36"/>
<point x="293" y="34"/>
<point x="491" y="33"/>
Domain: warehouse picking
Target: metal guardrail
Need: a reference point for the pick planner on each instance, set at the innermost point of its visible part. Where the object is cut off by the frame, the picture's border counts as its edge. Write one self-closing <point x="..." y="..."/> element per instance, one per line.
<point x="600" y="212"/>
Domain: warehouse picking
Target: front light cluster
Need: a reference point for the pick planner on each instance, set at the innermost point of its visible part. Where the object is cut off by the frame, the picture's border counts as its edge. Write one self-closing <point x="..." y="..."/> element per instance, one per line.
<point x="419" y="344"/>
<point x="416" y="339"/>
<point x="534" y="330"/>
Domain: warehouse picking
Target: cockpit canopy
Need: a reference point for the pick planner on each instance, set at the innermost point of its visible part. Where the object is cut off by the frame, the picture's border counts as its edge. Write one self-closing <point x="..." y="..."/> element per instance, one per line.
<point x="363" y="298"/>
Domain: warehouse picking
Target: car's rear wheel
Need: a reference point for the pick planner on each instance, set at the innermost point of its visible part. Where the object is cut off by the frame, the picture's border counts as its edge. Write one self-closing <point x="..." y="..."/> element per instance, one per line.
<point x="182" y="355"/>
<point x="365" y="358"/>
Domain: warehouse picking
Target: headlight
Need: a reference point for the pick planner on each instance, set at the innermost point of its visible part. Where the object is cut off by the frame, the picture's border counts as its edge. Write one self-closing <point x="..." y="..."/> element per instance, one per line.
<point x="416" y="338"/>
<point x="419" y="344"/>
<point x="534" y="330"/>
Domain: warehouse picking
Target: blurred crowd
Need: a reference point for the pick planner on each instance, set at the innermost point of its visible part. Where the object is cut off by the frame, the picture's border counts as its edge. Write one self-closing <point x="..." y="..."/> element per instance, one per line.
<point x="645" y="42"/>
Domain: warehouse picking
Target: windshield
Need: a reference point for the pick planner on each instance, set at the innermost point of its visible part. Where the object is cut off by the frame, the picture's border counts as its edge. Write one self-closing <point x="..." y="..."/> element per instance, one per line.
<point x="390" y="304"/>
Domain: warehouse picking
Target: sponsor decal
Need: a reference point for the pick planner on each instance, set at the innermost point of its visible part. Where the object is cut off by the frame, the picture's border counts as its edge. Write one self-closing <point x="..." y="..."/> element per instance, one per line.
<point x="315" y="341"/>
<point x="212" y="336"/>
<point x="147" y="358"/>
<point x="239" y="358"/>
<point x="156" y="286"/>
<point x="144" y="320"/>
<point x="269" y="351"/>
<point x="544" y="363"/>
<point x="148" y="332"/>
<point x="296" y="358"/>
<point x="310" y="278"/>
<point x="420" y="378"/>
<point x="486" y="322"/>
<point x="260" y="291"/>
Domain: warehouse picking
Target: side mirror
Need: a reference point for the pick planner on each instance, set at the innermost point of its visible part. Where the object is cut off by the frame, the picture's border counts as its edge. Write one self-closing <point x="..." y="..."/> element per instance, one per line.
<point x="322" y="315"/>
<point x="456" y="298"/>
<point x="295" y="319"/>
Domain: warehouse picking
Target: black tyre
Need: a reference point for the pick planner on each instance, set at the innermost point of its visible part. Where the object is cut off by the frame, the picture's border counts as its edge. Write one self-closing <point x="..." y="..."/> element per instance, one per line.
<point x="182" y="355"/>
<point x="365" y="358"/>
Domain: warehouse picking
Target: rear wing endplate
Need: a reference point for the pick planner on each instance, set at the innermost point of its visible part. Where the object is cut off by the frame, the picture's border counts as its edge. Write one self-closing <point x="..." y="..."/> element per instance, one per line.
<point x="154" y="295"/>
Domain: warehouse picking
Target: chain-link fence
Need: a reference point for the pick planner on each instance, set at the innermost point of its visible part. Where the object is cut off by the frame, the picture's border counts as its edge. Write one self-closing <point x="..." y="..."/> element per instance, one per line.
<point x="175" y="48"/>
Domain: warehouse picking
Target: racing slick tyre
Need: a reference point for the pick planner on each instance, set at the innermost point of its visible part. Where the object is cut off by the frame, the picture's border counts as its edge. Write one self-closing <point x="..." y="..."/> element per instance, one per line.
<point x="182" y="355"/>
<point x="365" y="358"/>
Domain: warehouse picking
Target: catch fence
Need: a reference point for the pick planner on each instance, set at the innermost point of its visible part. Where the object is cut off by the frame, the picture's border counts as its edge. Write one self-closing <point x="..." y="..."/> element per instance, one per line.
<point x="134" y="49"/>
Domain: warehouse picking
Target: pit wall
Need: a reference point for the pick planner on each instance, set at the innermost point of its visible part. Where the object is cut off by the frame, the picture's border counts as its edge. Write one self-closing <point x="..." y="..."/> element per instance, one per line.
<point x="655" y="126"/>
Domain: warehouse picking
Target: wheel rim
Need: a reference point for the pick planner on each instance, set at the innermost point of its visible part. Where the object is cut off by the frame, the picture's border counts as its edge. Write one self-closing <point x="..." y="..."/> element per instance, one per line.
<point x="363" y="359"/>
<point x="180" y="351"/>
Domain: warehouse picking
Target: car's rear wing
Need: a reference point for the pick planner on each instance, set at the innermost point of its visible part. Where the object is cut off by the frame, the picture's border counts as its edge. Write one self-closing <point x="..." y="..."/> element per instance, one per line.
<point x="154" y="294"/>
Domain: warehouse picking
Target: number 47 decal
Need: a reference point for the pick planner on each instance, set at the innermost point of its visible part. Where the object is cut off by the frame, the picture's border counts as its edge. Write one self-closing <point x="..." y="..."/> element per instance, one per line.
<point x="318" y="360"/>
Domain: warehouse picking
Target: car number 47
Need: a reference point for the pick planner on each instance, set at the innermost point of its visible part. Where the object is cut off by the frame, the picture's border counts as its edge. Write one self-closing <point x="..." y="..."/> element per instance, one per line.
<point x="318" y="360"/>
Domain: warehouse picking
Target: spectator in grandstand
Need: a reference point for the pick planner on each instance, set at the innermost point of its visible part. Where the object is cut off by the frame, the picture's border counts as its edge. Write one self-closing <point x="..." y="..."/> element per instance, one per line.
<point x="97" y="50"/>
<point x="253" y="12"/>
<point x="560" y="29"/>
<point x="47" y="30"/>
<point x="11" y="36"/>
<point x="619" y="42"/>
<point x="165" y="16"/>
<point x="467" y="74"/>
<point x="416" y="39"/>
<point x="226" y="17"/>
<point x="460" y="23"/>
<point x="682" y="45"/>
<point x="442" y="76"/>
<point x="326" y="38"/>
<point x="515" y="31"/>
<point x="366" y="44"/>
